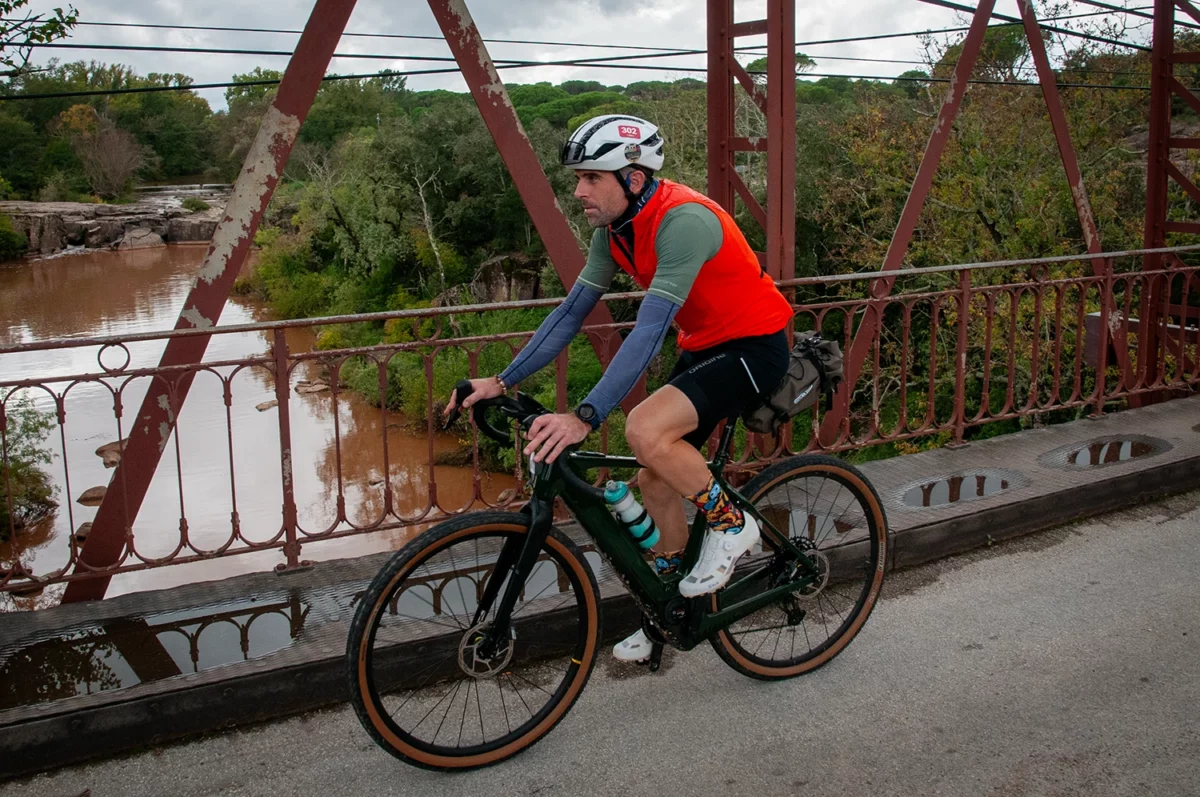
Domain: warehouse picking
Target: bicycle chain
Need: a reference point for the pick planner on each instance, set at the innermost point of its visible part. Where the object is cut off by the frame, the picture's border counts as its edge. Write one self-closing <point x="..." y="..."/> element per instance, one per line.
<point x="647" y="610"/>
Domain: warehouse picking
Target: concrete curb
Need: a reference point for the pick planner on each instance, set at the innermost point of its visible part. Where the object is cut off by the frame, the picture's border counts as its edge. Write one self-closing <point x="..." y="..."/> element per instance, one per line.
<point x="106" y="723"/>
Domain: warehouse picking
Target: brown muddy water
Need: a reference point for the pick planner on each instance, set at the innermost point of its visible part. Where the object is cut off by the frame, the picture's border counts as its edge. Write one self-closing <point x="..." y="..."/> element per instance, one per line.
<point x="112" y="293"/>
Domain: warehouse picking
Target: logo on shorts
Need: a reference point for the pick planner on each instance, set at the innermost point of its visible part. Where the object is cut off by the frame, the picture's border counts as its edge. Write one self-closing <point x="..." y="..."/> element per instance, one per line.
<point x="707" y="362"/>
<point x="629" y="131"/>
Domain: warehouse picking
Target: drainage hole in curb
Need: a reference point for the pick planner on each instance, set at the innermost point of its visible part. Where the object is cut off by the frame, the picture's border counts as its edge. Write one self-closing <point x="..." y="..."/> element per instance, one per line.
<point x="955" y="489"/>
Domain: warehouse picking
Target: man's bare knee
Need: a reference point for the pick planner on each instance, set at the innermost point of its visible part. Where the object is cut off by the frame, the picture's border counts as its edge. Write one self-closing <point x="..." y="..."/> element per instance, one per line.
<point x="639" y="433"/>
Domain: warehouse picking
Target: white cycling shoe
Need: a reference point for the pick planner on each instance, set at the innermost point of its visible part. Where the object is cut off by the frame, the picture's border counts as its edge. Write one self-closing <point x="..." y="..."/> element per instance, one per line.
<point x="634" y="648"/>
<point x="718" y="554"/>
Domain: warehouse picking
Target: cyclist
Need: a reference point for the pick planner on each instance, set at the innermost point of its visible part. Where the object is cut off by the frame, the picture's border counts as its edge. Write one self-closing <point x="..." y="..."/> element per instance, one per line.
<point x="700" y="273"/>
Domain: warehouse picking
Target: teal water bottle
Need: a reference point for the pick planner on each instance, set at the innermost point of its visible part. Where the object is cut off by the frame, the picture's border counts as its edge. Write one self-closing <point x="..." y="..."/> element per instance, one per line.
<point x="622" y="503"/>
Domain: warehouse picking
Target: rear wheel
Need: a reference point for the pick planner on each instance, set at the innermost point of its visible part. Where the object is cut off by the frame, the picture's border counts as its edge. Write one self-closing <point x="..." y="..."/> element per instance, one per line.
<point x="829" y="509"/>
<point x="424" y="681"/>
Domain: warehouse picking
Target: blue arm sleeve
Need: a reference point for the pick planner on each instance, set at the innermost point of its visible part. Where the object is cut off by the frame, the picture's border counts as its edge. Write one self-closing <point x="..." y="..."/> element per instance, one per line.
<point x="633" y="358"/>
<point x="553" y="335"/>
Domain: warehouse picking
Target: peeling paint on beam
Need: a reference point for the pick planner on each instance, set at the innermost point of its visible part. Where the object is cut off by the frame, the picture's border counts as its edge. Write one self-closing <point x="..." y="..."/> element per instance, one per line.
<point x="196" y="319"/>
<point x="210" y="290"/>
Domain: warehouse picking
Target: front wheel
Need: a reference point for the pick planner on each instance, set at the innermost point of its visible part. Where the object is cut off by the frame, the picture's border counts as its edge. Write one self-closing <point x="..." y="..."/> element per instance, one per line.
<point x="830" y="510"/>
<point x="426" y="681"/>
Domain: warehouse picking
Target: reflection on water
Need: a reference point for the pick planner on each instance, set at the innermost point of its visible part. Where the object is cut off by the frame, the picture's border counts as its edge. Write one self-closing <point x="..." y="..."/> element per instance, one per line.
<point x="955" y="489"/>
<point x="140" y="650"/>
<point x="111" y="293"/>
<point x="1103" y="453"/>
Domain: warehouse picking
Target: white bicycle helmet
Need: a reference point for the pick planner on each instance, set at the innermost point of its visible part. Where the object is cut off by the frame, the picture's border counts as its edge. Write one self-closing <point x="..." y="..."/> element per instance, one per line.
<point x="611" y="142"/>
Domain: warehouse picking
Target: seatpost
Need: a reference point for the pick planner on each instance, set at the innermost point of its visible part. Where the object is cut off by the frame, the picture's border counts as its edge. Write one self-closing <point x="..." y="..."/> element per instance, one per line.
<point x="722" y="457"/>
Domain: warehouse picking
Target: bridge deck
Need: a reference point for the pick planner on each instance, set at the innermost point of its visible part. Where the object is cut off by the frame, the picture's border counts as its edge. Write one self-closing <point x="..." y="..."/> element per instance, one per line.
<point x="987" y="491"/>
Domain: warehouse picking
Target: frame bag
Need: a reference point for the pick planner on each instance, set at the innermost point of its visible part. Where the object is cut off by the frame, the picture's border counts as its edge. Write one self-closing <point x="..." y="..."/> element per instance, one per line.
<point x="814" y="369"/>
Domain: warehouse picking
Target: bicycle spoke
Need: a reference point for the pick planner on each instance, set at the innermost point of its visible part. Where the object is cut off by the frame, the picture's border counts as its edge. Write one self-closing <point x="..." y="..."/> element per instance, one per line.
<point x="413" y="692"/>
<point x="435" y="705"/>
<point x="462" y="723"/>
<point x="479" y="707"/>
<point x="503" y="705"/>
<point x="519" y="695"/>
<point x="823" y="506"/>
<point x="457" y="579"/>
<point x="528" y="601"/>
<point x="532" y="666"/>
<point x="531" y="683"/>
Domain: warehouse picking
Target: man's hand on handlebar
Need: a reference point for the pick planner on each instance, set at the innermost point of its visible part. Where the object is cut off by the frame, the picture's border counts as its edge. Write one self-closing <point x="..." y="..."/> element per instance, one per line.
<point x="480" y="389"/>
<point x="550" y="434"/>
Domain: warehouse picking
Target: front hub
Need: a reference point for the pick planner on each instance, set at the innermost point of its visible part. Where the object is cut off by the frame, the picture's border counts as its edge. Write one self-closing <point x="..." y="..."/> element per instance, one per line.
<point x="482" y="657"/>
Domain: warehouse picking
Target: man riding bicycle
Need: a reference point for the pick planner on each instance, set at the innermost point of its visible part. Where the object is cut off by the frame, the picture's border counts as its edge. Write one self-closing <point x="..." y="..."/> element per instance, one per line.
<point x="700" y="273"/>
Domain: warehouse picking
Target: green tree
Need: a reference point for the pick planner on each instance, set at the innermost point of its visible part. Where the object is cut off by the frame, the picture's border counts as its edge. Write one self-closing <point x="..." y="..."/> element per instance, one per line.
<point x="581" y="86"/>
<point x="18" y="33"/>
<point x="1003" y="52"/>
<point x="345" y="105"/>
<point x="20" y="152"/>
<point x="536" y="94"/>
<point x="913" y="82"/>
<point x="235" y="94"/>
<point x="803" y="64"/>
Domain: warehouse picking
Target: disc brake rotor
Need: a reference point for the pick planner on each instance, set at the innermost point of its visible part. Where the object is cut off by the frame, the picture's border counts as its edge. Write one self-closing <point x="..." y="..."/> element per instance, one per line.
<point x="471" y="658"/>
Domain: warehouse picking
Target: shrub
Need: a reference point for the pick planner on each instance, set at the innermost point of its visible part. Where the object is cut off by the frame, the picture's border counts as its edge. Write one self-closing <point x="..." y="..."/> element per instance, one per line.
<point x="12" y="243"/>
<point x="32" y="493"/>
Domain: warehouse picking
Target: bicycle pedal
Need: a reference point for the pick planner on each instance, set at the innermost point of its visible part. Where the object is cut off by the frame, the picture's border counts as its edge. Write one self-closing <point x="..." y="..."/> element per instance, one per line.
<point x="656" y="654"/>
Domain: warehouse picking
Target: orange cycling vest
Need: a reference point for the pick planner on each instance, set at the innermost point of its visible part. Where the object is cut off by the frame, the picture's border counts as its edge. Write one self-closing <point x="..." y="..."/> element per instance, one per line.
<point x="732" y="296"/>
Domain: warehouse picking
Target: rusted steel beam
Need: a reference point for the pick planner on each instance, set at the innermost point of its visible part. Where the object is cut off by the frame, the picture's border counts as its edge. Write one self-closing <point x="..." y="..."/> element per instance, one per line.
<point x="1185" y="7"/>
<point x="777" y="102"/>
<point x="755" y="27"/>
<point x="1158" y="172"/>
<point x="753" y="89"/>
<point x="1070" y="161"/>
<point x="720" y="103"/>
<point x="523" y="166"/>
<point x="781" y="139"/>
<point x="1183" y="92"/>
<point x="1184" y="182"/>
<point x="155" y="420"/>
<point x="951" y="101"/>
<point x="1062" y="134"/>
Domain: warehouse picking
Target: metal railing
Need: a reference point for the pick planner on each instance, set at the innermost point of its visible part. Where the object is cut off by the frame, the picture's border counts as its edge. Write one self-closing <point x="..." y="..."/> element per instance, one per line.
<point x="959" y="347"/>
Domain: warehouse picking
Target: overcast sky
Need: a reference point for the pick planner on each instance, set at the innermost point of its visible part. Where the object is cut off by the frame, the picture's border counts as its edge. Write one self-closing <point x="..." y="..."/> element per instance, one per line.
<point x="660" y="23"/>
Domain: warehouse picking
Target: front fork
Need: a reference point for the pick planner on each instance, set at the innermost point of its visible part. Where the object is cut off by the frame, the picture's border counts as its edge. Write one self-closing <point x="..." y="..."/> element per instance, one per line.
<point x="518" y="557"/>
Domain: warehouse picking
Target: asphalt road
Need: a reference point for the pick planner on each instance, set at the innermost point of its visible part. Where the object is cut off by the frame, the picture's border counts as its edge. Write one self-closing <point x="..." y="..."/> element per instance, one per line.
<point x="1066" y="663"/>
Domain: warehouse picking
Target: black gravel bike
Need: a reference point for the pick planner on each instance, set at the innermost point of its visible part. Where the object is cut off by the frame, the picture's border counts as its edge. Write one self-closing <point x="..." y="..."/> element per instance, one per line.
<point x="477" y="637"/>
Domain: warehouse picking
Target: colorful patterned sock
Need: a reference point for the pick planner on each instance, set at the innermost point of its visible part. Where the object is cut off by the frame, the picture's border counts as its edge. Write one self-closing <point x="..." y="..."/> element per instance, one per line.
<point x="722" y="515"/>
<point x="667" y="561"/>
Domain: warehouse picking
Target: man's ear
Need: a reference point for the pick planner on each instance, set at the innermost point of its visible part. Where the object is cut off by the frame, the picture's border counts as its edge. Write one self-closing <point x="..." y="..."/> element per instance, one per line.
<point x="637" y="180"/>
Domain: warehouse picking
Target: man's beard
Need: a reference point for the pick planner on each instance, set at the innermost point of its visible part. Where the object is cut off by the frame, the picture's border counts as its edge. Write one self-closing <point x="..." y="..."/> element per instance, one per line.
<point x="595" y="222"/>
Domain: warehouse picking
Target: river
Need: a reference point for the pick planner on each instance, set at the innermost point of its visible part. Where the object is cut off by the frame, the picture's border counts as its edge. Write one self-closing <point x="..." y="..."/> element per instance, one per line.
<point x="120" y="292"/>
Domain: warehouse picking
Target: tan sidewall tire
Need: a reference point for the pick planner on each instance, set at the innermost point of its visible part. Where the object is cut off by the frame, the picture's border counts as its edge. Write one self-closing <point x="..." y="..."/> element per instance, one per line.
<point x="723" y="642"/>
<point x="425" y="546"/>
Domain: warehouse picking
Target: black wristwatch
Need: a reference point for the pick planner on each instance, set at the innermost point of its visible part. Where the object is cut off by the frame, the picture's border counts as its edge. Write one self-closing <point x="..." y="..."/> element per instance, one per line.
<point x="587" y="414"/>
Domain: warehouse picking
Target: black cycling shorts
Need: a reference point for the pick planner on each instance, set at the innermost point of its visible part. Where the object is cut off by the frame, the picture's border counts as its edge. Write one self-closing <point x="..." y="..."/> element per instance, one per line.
<point x="729" y="379"/>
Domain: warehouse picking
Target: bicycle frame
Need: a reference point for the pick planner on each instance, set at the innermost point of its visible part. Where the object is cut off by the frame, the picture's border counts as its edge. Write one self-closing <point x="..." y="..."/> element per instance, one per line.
<point x="684" y="622"/>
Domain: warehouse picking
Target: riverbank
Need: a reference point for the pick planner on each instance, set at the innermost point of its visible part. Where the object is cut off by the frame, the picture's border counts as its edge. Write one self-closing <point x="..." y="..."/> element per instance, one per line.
<point x="157" y="217"/>
<point x="349" y="459"/>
